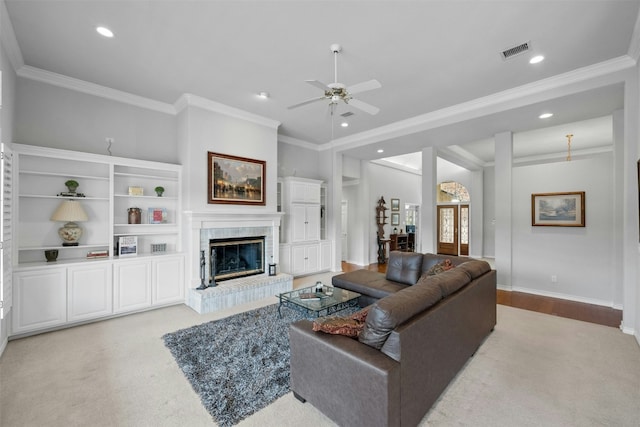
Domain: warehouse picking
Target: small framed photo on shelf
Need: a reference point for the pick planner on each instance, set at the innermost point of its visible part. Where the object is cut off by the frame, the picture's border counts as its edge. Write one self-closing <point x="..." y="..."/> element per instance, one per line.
<point x="126" y="245"/>
<point x="157" y="215"/>
<point x="136" y="191"/>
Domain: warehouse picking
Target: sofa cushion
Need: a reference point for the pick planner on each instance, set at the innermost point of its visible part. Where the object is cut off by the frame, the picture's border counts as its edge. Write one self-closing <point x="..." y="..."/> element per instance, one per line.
<point x="448" y="281"/>
<point x="404" y="267"/>
<point x="350" y="326"/>
<point x="475" y="268"/>
<point x="367" y="282"/>
<point x="440" y="267"/>
<point x="394" y="310"/>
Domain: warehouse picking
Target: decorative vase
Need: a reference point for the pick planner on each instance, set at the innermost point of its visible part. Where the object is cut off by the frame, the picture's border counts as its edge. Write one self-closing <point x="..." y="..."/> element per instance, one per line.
<point x="135" y="215"/>
<point x="159" y="193"/>
<point x="51" y="255"/>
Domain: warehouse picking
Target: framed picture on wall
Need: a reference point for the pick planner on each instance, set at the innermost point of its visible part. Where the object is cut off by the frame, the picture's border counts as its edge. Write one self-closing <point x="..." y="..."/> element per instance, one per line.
<point x="395" y="218"/>
<point x="235" y="180"/>
<point x="558" y="209"/>
<point x="395" y="204"/>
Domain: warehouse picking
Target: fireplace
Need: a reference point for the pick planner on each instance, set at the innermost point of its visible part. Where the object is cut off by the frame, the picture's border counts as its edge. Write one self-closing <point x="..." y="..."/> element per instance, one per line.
<point x="231" y="258"/>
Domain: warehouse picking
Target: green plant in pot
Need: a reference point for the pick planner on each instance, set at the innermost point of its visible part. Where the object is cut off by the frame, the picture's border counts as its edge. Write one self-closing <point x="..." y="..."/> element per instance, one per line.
<point x="72" y="185"/>
<point x="159" y="190"/>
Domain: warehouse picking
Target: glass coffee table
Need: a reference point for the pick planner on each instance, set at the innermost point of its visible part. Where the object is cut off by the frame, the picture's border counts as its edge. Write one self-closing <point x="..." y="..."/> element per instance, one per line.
<point x="312" y="302"/>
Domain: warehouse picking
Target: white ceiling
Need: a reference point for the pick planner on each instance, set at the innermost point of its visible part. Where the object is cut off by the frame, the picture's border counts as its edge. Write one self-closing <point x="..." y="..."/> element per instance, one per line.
<point x="428" y="55"/>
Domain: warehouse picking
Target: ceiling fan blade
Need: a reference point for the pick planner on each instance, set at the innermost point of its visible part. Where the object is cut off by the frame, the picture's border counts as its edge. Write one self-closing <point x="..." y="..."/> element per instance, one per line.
<point x="364" y="86"/>
<point x="308" y="101"/>
<point x="319" y="85"/>
<point x="367" y="108"/>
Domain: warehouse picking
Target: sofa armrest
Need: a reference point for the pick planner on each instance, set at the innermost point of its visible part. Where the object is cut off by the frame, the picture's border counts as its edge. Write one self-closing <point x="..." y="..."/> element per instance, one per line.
<point x="339" y="375"/>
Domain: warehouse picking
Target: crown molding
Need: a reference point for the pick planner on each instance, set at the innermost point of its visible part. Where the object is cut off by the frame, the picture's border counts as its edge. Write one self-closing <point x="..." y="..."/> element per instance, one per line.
<point x="522" y="95"/>
<point x="397" y="166"/>
<point x="299" y="143"/>
<point x="8" y="38"/>
<point x="634" y="45"/>
<point x="37" y="74"/>
<point x="191" y="100"/>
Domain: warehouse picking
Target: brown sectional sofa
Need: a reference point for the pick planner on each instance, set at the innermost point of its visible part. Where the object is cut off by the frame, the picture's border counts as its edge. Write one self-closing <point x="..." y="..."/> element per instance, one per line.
<point x="420" y="331"/>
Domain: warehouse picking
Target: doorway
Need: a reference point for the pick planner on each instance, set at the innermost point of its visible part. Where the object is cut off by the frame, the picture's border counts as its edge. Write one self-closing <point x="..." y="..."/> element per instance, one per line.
<point x="453" y="229"/>
<point x="453" y="219"/>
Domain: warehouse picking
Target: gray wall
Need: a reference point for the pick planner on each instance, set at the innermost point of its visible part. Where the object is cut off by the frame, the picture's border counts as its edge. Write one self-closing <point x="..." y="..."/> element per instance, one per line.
<point x="580" y="257"/>
<point x="298" y="161"/>
<point x="51" y="116"/>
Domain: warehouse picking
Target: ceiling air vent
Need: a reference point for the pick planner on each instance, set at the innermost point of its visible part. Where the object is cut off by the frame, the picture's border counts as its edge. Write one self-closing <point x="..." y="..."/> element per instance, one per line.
<point x="347" y="114"/>
<point x="515" y="50"/>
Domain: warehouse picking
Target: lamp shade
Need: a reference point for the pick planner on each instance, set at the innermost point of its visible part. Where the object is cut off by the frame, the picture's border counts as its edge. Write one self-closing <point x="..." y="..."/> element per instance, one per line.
<point x="69" y="210"/>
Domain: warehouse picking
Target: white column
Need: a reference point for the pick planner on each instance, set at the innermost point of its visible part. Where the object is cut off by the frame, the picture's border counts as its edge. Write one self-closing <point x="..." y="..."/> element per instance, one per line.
<point x="428" y="231"/>
<point x="476" y="217"/>
<point x="503" y="232"/>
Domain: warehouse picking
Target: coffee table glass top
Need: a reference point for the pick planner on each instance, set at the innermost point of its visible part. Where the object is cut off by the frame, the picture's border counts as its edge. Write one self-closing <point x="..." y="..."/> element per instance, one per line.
<point x="309" y="299"/>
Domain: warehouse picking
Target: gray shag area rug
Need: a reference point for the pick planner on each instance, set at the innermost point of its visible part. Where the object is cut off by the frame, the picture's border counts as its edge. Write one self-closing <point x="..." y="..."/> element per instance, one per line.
<point x="239" y="364"/>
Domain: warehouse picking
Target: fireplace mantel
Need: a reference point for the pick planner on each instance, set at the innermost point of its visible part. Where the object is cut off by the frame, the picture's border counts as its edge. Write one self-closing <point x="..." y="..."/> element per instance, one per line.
<point x="233" y="219"/>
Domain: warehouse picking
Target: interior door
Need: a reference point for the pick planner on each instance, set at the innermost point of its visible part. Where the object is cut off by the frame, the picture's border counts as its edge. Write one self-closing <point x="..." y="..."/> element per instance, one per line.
<point x="448" y="230"/>
<point x="464" y="230"/>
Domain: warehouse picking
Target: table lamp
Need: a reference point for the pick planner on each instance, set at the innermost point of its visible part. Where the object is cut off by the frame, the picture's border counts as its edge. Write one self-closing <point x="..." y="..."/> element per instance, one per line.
<point x="70" y="211"/>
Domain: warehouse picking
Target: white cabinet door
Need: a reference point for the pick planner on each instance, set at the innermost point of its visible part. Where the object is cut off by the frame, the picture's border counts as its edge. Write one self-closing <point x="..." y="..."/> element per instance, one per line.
<point x="313" y="258"/>
<point x="168" y="284"/>
<point x="305" y="258"/>
<point x="89" y="291"/>
<point x="304" y="221"/>
<point x="305" y="192"/>
<point x="40" y="299"/>
<point x="131" y="285"/>
<point x="313" y="222"/>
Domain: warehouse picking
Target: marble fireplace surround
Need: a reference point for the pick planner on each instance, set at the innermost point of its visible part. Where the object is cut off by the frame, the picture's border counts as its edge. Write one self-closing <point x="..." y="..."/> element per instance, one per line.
<point x="204" y="226"/>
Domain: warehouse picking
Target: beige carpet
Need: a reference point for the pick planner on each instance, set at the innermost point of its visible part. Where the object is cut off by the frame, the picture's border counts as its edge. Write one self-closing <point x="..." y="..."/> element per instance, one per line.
<point x="533" y="370"/>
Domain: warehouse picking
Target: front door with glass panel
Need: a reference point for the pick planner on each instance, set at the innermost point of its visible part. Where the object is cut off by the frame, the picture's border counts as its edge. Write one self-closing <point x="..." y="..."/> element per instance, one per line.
<point x="448" y="230"/>
<point x="453" y="229"/>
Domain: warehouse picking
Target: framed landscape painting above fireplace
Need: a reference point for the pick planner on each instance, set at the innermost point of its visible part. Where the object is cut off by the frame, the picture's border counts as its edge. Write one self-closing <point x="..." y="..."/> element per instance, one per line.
<point x="235" y="180"/>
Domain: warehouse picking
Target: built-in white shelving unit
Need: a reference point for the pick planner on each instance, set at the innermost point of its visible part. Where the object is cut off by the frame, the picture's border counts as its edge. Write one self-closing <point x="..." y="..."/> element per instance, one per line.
<point x="77" y="288"/>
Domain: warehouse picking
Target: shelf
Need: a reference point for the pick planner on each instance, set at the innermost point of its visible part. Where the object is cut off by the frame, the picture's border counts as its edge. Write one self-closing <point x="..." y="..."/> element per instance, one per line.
<point x="144" y="176"/>
<point x="43" y="248"/>
<point x="64" y="174"/>
<point x="146" y="197"/>
<point x="37" y="196"/>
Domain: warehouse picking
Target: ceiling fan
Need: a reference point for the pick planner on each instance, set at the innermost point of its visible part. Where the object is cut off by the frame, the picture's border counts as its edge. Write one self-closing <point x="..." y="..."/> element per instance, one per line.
<point x="336" y="92"/>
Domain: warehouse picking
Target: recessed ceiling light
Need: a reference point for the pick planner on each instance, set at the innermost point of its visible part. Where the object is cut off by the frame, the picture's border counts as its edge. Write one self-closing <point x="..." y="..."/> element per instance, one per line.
<point x="344" y="124"/>
<point x="104" y="31"/>
<point x="381" y="151"/>
<point x="263" y="95"/>
<point x="545" y="115"/>
<point x="536" y="59"/>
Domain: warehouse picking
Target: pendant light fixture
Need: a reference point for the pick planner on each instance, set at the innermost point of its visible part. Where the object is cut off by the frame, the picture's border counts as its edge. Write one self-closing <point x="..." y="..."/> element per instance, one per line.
<point x="569" y="136"/>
